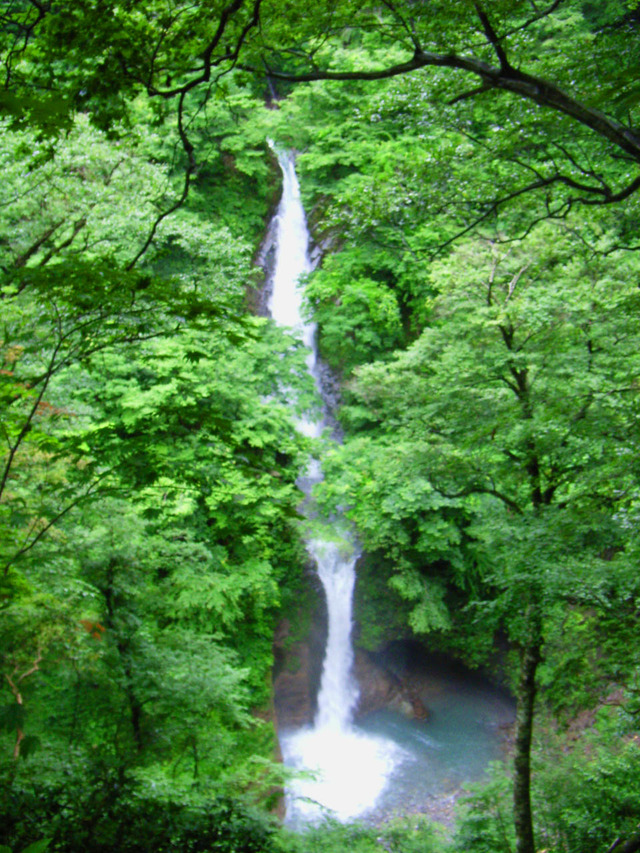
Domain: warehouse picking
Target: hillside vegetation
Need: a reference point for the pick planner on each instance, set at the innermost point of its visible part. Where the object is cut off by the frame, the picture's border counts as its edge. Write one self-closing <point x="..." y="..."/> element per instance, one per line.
<point x="470" y="172"/>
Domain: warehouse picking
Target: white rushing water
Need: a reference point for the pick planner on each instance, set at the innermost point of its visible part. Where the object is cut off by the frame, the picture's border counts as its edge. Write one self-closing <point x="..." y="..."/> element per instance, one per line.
<point x="349" y="769"/>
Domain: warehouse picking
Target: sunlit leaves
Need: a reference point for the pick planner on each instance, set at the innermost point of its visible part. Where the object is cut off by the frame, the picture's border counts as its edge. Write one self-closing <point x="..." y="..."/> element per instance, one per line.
<point x="359" y="318"/>
<point x="428" y="611"/>
<point x="499" y="444"/>
<point x="91" y="195"/>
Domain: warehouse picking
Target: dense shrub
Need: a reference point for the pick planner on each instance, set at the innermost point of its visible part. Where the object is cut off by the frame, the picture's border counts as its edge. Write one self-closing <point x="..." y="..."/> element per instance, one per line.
<point x="108" y="817"/>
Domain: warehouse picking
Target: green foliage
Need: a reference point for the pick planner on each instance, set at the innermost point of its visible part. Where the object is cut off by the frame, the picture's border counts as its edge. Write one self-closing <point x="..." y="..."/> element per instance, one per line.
<point x="588" y="649"/>
<point x="429" y="612"/>
<point x="86" y="814"/>
<point x="90" y="195"/>
<point x="495" y="419"/>
<point x="484" y="824"/>
<point x="60" y="310"/>
<point x="148" y="522"/>
<point x="36" y="847"/>
<point x="379" y="612"/>
<point x="359" y="318"/>
<point x="589" y="797"/>
<point x="584" y="796"/>
<point x="48" y="114"/>
<point x="370" y="317"/>
<point x="332" y="837"/>
<point x="414" y="834"/>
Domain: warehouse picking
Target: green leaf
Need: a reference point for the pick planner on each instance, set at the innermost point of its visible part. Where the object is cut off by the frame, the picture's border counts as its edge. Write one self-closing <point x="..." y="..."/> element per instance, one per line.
<point x="38" y="846"/>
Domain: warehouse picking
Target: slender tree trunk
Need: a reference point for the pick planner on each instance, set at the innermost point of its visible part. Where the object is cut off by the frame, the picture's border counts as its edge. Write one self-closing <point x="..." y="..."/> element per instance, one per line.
<point x="135" y="711"/>
<point x="631" y="845"/>
<point x="530" y="658"/>
<point x="123" y="646"/>
<point x="14" y="681"/>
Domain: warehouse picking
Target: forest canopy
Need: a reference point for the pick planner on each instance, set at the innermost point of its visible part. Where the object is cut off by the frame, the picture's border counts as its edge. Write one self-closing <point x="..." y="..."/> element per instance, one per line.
<point x="471" y="174"/>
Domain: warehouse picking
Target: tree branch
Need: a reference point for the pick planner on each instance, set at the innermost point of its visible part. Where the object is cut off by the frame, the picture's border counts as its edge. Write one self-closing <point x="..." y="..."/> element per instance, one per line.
<point x="470" y="94"/>
<point x="507" y="79"/>
<point x="534" y="18"/>
<point x="28" y="421"/>
<point x="182" y="91"/>
<point x="27" y="546"/>
<point x="189" y="171"/>
<point x="410" y="30"/>
<point x="631" y="845"/>
<point x="204" y="76"/>
<point x="492" y="37"/>
<point x="481" y="490"/>
<point x="21" y="261"/>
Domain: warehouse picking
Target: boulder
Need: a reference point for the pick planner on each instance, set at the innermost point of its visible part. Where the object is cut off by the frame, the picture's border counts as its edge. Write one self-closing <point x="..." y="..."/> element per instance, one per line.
<point x="378" y="687"/>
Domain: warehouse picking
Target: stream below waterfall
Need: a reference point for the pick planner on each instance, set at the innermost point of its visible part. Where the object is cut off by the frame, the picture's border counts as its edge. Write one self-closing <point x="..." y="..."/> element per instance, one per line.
<point x="385" y="763"/>
<point x="466" y="727"/>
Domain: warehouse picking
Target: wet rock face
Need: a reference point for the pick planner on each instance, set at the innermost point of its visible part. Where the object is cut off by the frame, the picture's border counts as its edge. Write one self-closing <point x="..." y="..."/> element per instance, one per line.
<point x="297" y="678"/>
<point x="298" y="669"/>
<point x="293" y="688"/>
<point x="266" y="259"/>
<point x="380" y="688"/>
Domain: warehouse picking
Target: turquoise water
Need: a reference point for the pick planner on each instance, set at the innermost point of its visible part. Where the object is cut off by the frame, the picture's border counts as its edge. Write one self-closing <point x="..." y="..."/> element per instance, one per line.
<point x="465" y="731"/>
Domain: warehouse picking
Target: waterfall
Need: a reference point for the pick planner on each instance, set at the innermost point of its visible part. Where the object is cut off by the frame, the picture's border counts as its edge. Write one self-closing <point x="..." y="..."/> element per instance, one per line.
<point x="350" y="768"/>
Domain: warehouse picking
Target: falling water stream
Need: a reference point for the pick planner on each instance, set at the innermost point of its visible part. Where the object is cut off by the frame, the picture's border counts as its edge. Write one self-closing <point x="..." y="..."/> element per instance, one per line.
<point x="351" y="770"/>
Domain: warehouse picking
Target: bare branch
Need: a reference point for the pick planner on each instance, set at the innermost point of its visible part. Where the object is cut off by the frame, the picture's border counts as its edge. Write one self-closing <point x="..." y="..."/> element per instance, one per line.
<point x="492" y="37"/>
<point x="514" y="282"/>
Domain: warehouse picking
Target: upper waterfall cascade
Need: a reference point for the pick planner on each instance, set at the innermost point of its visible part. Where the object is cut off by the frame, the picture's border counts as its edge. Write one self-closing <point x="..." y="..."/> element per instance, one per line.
<point x="351" y="769"/>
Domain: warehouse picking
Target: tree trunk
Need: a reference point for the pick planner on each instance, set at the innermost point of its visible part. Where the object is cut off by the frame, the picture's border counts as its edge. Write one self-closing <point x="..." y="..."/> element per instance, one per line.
<point x="530" y="658"/>
<point x="631" y="845"/>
